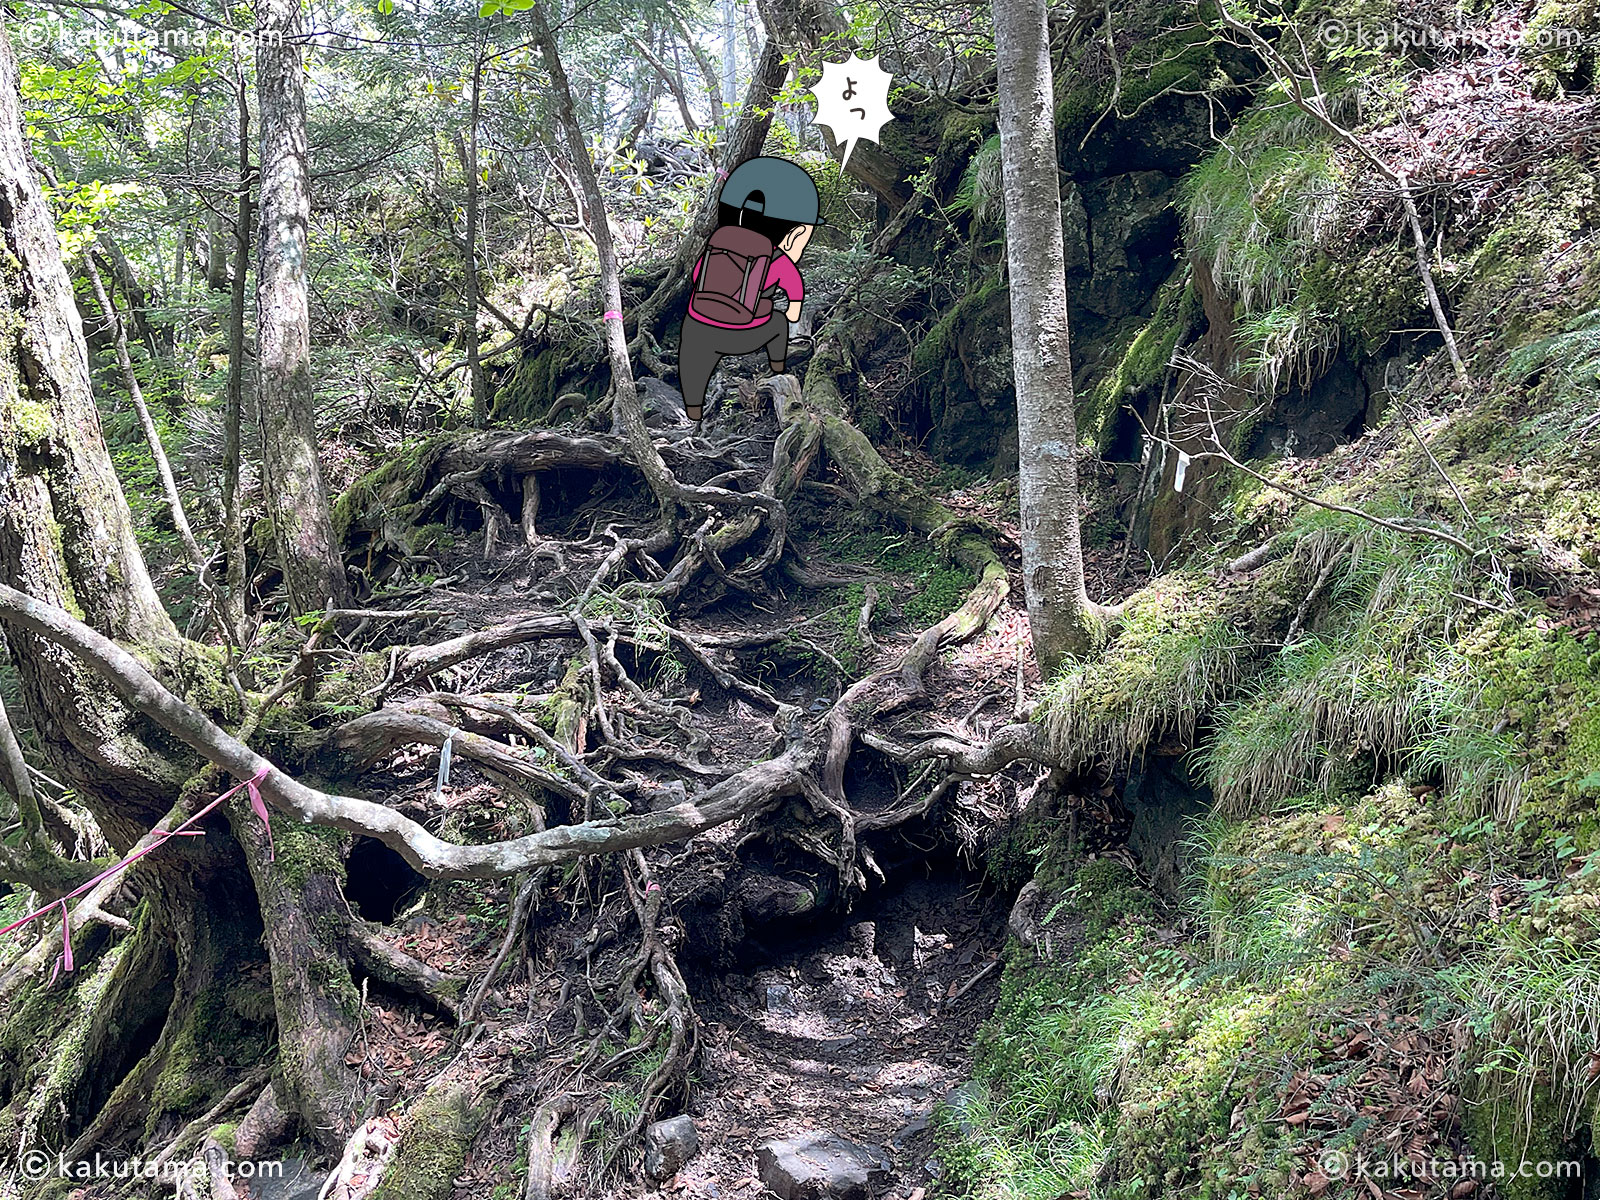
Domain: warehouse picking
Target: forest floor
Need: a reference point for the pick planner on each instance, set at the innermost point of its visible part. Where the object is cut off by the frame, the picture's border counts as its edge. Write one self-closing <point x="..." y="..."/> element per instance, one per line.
<point x="857" y="1020"/>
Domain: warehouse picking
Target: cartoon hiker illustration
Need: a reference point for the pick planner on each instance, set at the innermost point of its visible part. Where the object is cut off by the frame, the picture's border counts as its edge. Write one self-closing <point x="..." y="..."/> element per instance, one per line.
<point x="766" y="213"/>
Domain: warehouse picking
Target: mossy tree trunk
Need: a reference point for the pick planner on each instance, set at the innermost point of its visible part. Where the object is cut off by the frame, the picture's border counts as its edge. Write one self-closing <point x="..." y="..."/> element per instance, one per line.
<point x="1059" y="611"/>
<point x="153" y="996"/>
<point x="233" y="423"/>
<point x="297" y="496"/>
<point x="66" y="535"/>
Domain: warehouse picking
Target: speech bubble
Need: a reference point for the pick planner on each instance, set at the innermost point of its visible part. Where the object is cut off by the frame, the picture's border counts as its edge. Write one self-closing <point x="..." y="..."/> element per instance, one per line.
<point x="853" y="101"/>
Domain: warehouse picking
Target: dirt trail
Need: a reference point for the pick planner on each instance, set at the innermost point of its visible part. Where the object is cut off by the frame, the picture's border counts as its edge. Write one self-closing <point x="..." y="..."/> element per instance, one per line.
<point x="851" y="1029"/>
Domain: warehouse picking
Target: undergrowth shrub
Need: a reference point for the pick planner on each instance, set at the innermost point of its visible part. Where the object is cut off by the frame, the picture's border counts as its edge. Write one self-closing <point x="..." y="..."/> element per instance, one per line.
<point x="1181" y="649"/>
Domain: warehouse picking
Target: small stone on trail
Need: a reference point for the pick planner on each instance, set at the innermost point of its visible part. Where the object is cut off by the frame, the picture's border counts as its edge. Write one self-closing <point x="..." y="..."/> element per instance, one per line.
<point x="668" y="1145"/>
<point x="961" y="1100"/>
<point x="297" y="1182"/>
<point x="668" y="795"/>
<point x="821" y="1166"/>
<point x="781" y="1000"/>
<point x="1024" y="919"/>
<point x="865" y="936"/>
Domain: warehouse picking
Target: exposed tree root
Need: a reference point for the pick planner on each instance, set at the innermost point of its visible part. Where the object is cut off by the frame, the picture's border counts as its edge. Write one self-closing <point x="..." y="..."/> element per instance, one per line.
<point x="618" y="615"/>
<point x="379" y="959"/>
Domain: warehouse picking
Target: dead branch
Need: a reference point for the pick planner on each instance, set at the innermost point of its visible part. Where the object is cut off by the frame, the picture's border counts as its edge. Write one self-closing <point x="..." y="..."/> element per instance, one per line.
<point x="1220" y="451"/>
<point x="390" y="965"/>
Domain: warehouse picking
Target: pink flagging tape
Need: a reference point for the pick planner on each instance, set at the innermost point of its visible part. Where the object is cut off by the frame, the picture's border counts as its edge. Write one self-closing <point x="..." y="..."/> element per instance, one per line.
<point x="252" y="785"/>
<point x="258" y="807"/>
<point x="613" y="315"/>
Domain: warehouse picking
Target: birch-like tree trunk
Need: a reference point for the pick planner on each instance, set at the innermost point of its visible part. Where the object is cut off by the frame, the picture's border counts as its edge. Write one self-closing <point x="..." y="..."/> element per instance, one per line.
<point x="291" y="474"/>
<point x="467" y="152"/>
<point x="1059" y="610"/>
<point x="152" y="435"/>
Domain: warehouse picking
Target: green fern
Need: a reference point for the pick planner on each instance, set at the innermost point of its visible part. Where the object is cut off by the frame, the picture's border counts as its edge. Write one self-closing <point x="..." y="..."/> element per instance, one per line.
<point x="979" y="194"/>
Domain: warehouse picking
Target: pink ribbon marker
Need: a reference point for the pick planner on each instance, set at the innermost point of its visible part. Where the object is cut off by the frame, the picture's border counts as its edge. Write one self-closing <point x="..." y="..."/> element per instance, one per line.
<point x="258" y="807"/>
<point x="613" y="315"/>
<point x="252" y="785"/>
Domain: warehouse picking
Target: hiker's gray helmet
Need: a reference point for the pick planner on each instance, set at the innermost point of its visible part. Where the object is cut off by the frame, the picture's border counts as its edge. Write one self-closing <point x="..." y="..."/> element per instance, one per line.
<point x="774" y="187"/>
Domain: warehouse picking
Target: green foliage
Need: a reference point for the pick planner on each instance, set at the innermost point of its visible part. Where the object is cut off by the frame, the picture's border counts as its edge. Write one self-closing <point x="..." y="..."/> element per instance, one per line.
<point x="1181" y="649"/>
<point x="938" y="587"/>
<point x="978" y="195"/>
<point x="1288" y="344"/>
<point x="1405" y="677"/>
<point x="1262" y="205"/>
<point x="1559" y="47"/>
<point x="1505" y="288"/>
<point x="1118" y="1071"/>
<point x="1179" y="56"/>
<point x="1566" y="364"/>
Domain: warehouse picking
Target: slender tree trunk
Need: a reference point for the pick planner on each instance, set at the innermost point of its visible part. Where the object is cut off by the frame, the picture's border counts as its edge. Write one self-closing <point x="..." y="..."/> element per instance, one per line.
<point x="627" y="412"/>
<point x="233" y="421"/>
<point x="124" y="278"/>
<point x="1059" y="611"/>
<point x="216" y="254"/>
<point x="468" y="153"/>
<point x="646" y="88"/>
<point x="730" y="56"/>
<point x="297" y="496"/>
<point x="152" y="435"/>
<point x="744" y="141"/>
<point x="672" y="76"/>
<point x="708" y="71"/>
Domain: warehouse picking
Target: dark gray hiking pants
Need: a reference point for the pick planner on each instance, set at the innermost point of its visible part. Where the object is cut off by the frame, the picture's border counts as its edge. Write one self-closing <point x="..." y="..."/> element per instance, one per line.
<point x="701" y="347"/>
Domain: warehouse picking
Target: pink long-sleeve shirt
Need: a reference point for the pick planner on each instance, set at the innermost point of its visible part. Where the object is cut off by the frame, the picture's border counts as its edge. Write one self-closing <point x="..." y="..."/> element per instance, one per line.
<point x="780" y="271"/>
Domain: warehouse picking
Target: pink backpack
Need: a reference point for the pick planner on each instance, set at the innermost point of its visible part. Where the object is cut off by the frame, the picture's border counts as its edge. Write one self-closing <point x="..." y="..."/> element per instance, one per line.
<point x="733" y="271"/>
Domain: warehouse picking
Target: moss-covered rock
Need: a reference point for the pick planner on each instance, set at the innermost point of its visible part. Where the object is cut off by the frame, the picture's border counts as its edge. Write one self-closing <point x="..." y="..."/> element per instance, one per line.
<point x="434" y="1135"/>
<point x="963" y="371"/>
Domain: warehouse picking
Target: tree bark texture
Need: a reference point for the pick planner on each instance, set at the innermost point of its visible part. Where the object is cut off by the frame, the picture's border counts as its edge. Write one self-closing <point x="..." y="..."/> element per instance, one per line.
<point x="1052" y="553"/>
<point x="296" y="494"/>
